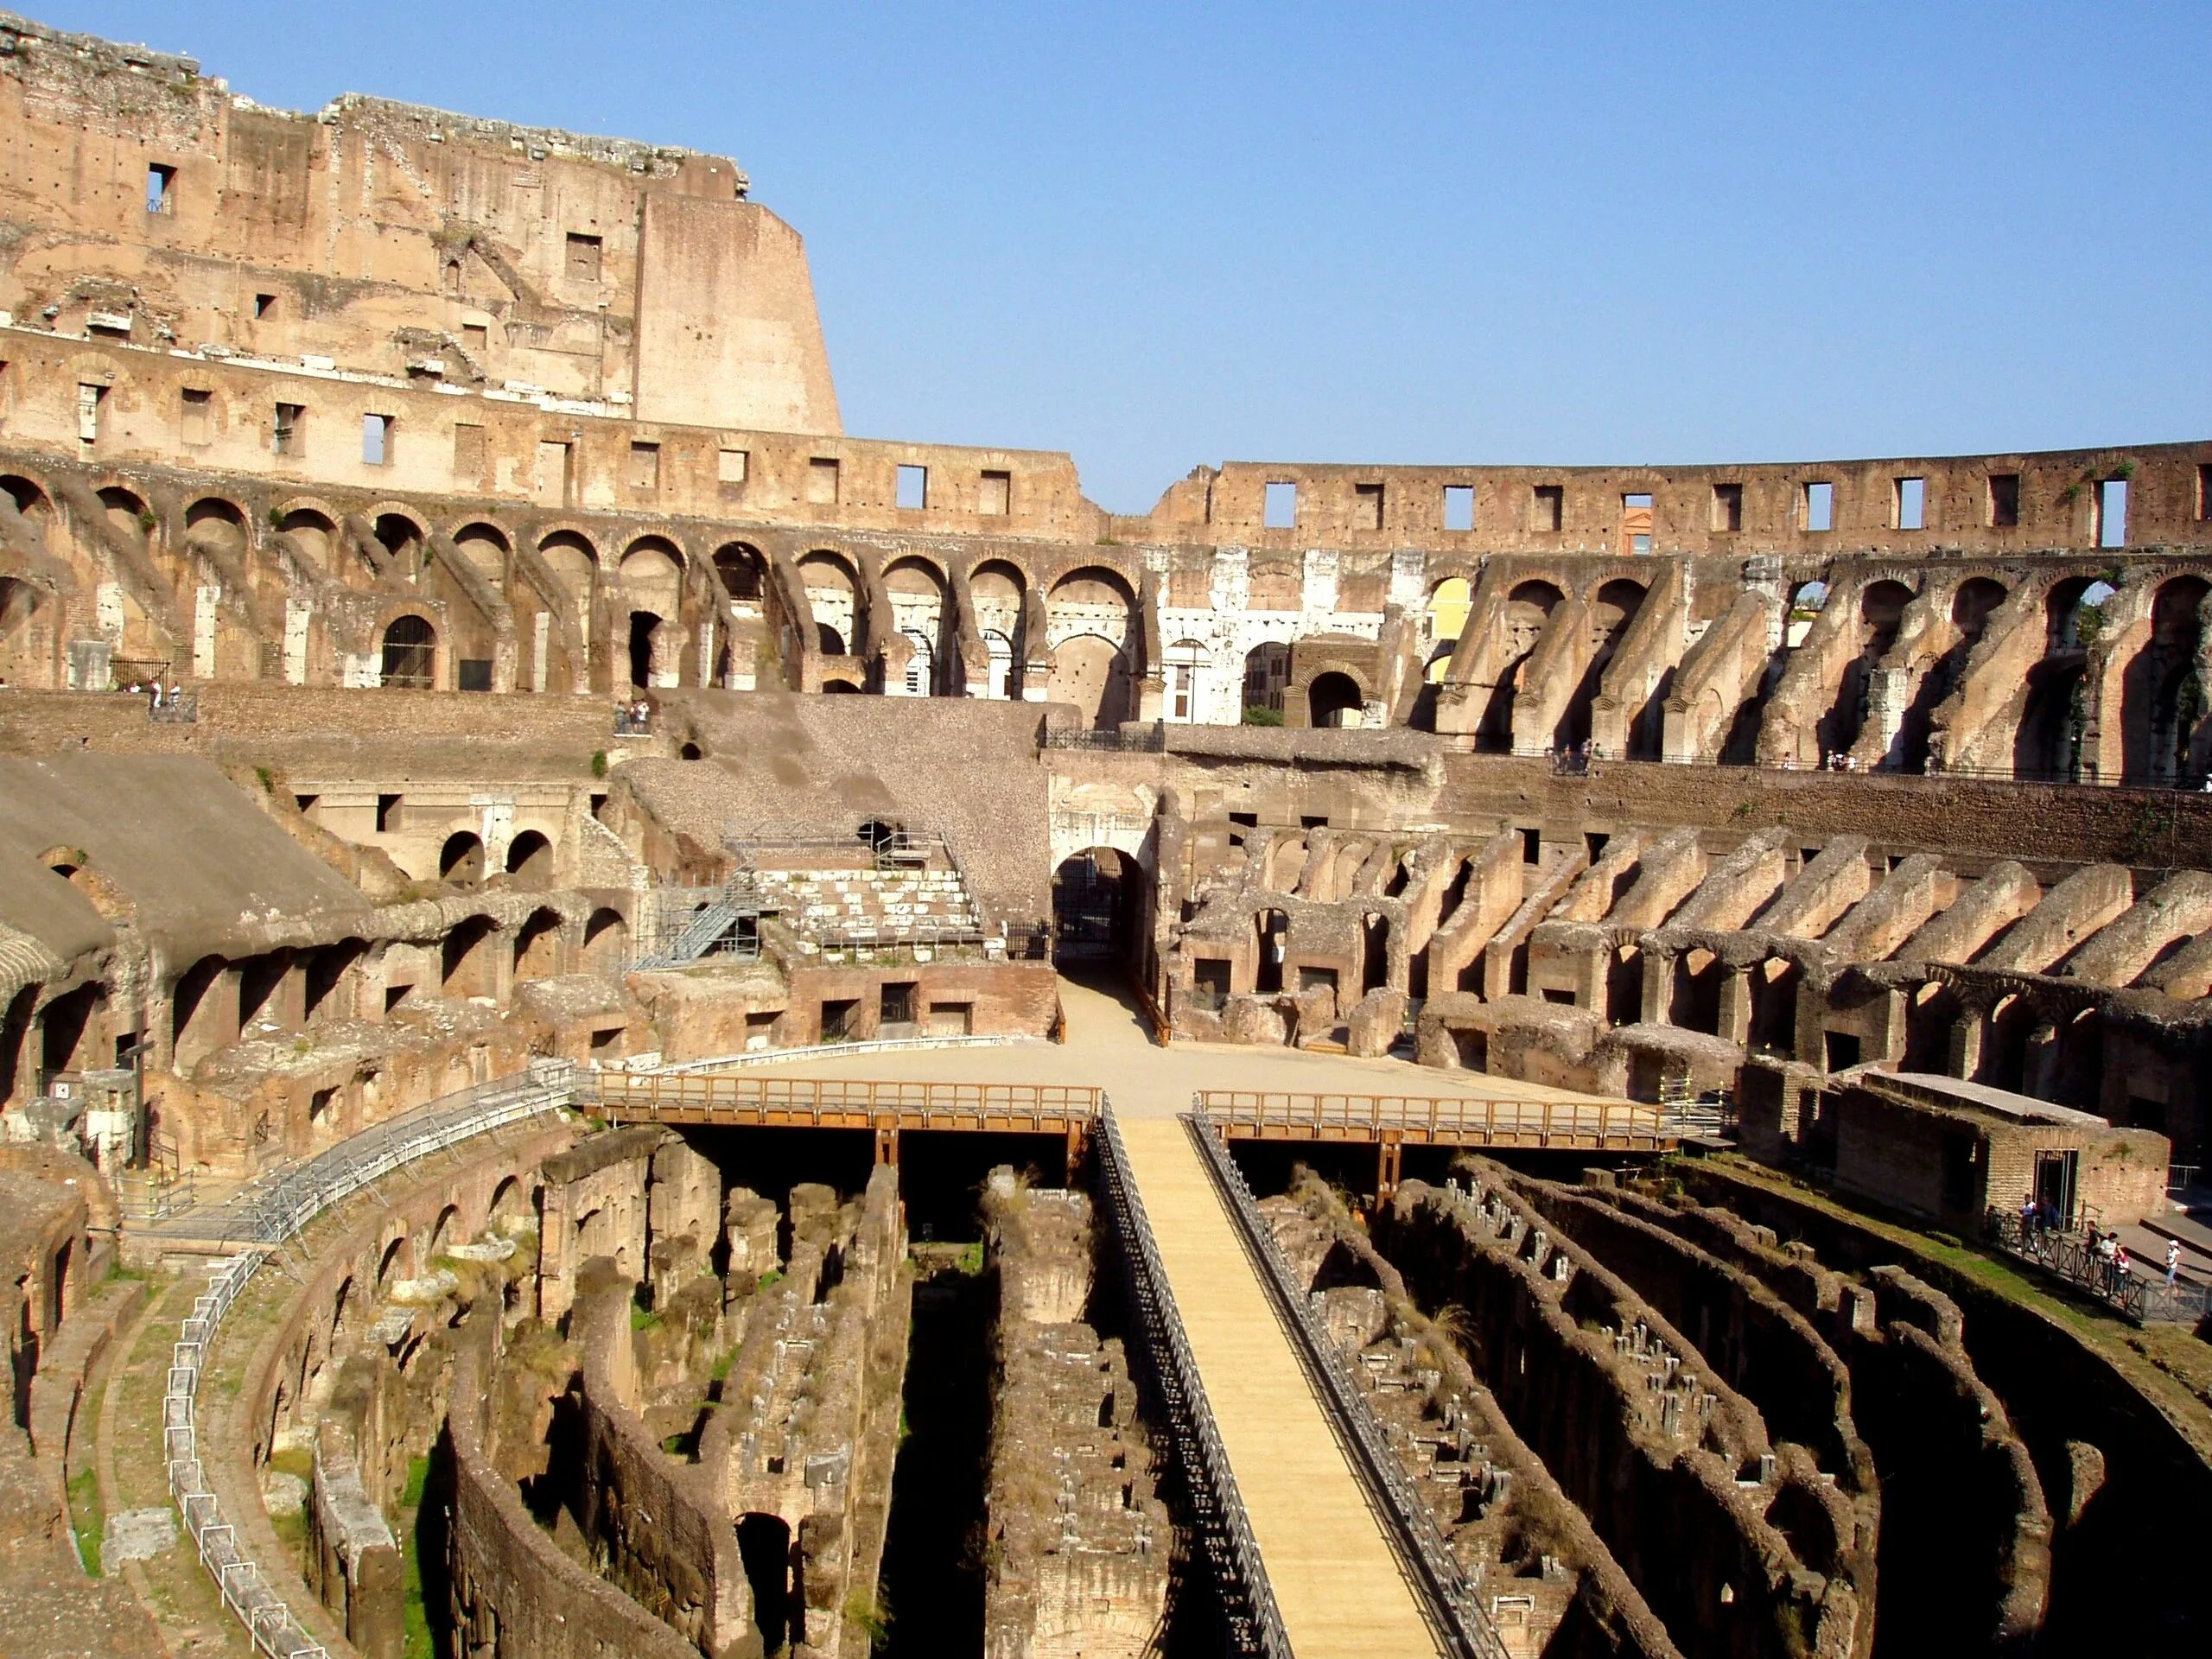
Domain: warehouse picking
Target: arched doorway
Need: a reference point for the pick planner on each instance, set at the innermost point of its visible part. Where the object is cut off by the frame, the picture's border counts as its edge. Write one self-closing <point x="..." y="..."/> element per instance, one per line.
<point x="1092" y="673"/>
<point x="411" y="654"/>
<point x="764" y="1544"/>
<point x="1187" y="661"/>
<point x="1267" y="671"/>
<point x="530" y="859"/>
<point x="1098" y="907"/>
<point x="1334" y="699"/>
<point x="460" y="861"/>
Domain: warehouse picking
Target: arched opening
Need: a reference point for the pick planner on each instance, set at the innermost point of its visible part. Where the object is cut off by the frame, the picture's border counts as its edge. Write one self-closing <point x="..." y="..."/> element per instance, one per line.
<point x="537" y="946"/>
<point x="1098" y="907"/>
<point x="996" y="591"/>
<point x="1973" y="602"/>
<point x="1334" y="699"/>
<point x="211" y="523"/>
<point x="445" y="1231"/>
<point x="645" y="641"/>
<point x="829" y="642"/>
<point x="401" y="537"/>
<point x="607" y="942"/>
<point x="915" y="590"/>
<point x="511" y="1209"/>
<point x="740" y="566"/>
<point x="575" y="562"/>
<point x="128" y="514"/>
<point x="529" y="859"/>
<point x="460" y="861"/>
<point x="2074" y="615"/>
<point x="2005" y="1044"/>
<point x="2162" y="695"/>
<point x="1521" y="621"/>
<point x="1266" y="677"/>
<point x="845" y="688"/>
<point x="411" y="654"/>
<point x="764" y="1544"/>
<point x="485" y="550"/>
<point x="833" y="595"/>
<point x="1000" y="684"/>
<point x="690" y="752"/>
<point x="1272" y="932"/>
<point x="392" y="1264"/>
<point x="1610" y="612"/>
<point x="30" y="500"/>
<point x="1881" y="609"/>
<point x="2047" y="744"/>
<point x="463" y="959"/>
<point x="1091" y="671"/>
<point x="921" y="664"/>
<point x="19" y="602"/>
<point x="193" y="1017"/>
<point x="311" y="536"/>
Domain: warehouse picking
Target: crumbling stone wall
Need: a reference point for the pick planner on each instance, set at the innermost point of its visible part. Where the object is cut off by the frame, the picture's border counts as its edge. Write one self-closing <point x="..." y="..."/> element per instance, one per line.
<point x="1741" y="1549"/>
<point x="1081" y="1546"/>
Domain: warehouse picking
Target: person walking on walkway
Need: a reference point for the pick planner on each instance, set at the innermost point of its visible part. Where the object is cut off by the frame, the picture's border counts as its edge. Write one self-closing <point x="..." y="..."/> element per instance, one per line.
<point x="2173" y="1261"/>
<point x="2105" y="1243"/>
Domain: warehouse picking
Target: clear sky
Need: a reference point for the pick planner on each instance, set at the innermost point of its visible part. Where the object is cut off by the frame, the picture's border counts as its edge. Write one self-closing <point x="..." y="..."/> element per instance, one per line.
<point x="1159" y="235"/>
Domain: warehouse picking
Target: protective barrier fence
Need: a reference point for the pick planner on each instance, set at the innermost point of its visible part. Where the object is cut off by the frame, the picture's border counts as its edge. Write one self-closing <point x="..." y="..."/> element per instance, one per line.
<point x="1455" y="1119"/>
<point x="267" y="1221"/>
<point x="1253" y="1624"/>
<point x="1447" y="1595"/>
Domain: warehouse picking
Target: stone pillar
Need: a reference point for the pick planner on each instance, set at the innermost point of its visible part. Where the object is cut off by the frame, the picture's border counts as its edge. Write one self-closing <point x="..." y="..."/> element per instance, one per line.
<point x="1966" y="1033"/>
<point x="1735" y="1022"/>
<point x="1658" y="984"/>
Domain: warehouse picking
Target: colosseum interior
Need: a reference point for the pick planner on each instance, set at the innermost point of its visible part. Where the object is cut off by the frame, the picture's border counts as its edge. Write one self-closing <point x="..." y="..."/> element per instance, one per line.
<point x="1380" y="1059"/>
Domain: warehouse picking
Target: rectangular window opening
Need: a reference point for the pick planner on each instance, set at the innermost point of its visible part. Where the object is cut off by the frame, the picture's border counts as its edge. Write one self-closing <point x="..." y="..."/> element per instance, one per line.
<point x="1280" y="508"/>
<point x="2003" y="499"/>
<point x="1458" y="506"/>
<point x="1532" y="846"/>
<point x="645" y="465"/>
<point x="264" y="305"/>
<point x="195" y="416"/>
<point x="583" y="258"/>
<point x="376" y="439"/>
<point x="1367" y="505"/>
<point x="1547" y="507"/>
<point x="90" y="396"/>
<point x="1912" y="504"/>
<point x="549" y="481"/>
<point x="1819" y="508"/>
<point x="1727" y="508"/>
<point x="897" y="1006"/>
<point x="729" y="467"/>
<point x="287" y="434"/>
<point x="161" y="188"/>
<point x="821" y="482"/>
<point x="2111" y="512"/>
<point x="913" y="489"/>
<point x="387" y="814"/>
<point x="468" y="453"/>
<point x="473" y="673"/>
<point x="995" y="498"/>
<point x="2204" y="494"/>
<point x="476" y="340"/>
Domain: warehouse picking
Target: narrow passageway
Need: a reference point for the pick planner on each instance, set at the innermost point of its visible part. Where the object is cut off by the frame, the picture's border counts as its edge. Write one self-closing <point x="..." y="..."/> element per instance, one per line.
<point x="1336" y="1579"/>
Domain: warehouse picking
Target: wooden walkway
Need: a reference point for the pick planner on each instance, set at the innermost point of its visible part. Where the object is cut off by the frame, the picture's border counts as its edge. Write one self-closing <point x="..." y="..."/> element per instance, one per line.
<point x="1335" y="1578"/>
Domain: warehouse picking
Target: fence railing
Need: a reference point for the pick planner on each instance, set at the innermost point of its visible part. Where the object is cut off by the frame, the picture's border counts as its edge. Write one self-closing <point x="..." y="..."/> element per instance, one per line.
<point x="267" y="1220"/>
<point x="741" y="1098"/>
<point x="1456" y="1120"/>
<point x="1449" y="1596"/>
<point x="1143" y="740"/>
<point x="1222" y="1532"/>
<point x="2070" y="1253"/>
<point x="828" y="1052"/>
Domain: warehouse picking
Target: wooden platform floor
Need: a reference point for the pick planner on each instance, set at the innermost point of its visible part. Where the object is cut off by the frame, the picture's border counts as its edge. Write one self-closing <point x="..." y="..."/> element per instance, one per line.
<point x="1335" y="1576"/>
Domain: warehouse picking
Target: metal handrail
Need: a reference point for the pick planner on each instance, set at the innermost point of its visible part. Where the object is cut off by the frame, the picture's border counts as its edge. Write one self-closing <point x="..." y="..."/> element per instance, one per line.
<point x="621" y="1094"/>
<point x="1223" y="1530"/>
<point x="1449" y="1597"/>
<point x="1438" y="1118"/>
<point x="275" y="1215"/>
<point x="2071" y="1254"/>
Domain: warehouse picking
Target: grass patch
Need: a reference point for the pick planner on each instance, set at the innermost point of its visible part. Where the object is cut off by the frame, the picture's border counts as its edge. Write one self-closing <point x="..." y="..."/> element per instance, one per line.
<point x="971" y="1259"/>
<point x="869" y="1613"/>
<point x="89" y="1518"/>
<point x="414" y="1613"/>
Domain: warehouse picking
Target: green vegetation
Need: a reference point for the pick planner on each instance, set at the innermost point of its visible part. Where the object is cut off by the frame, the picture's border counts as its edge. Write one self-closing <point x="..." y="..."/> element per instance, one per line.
<point x="971" y="1259"/>
<point x="1256" y="714"/>
<point x="88" y="1517"/>
<point x="414" y="1612"/>
<point x="867" y="1612"/>
<point x="598" y="763"/>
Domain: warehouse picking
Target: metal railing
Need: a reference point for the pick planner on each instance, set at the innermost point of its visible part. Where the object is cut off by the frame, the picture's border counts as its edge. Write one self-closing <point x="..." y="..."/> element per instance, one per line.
<point x="1453" y="1120"/>
<point x="181" y="710"/>
<point x="2070" y="1253"/>
<point x="269" y="1219"/>
<point x="1449" y="1597"/>
<point x="1222" y="1530"/>
<point x="827" y="1052"/>
<point x="844" y="1103"/>
<point x="1144" y="740"/>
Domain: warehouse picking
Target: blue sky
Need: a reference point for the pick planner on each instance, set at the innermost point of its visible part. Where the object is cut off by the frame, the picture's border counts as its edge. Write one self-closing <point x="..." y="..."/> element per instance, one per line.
<point x="1158" y="235"/>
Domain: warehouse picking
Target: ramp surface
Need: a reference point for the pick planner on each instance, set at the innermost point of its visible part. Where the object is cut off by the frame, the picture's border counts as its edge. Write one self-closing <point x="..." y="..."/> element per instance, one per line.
<point x="1335" y="1579"/>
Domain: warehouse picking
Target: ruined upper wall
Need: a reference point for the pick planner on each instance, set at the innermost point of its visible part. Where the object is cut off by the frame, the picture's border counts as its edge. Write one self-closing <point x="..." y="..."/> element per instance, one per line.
<point x="2007" y="504"/>
<point x="143" y="200"/>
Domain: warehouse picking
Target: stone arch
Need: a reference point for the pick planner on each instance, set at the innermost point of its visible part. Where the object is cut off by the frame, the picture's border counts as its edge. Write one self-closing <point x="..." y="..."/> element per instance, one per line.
<point x="1331" y="697"/>
<point x="1100" y="906"/>
<point x="530" y="859"/>
<point x="486" y="549"/>
<point x="1184" y="666"/>
<point x="215" y="521"/>
<point x="606" y="941"/>
<point x="127" y="511"/>
<point x="1267" y="675"/>
<point x="573" y="561"/>
<point x="446" y="1231"/>
<point x="771" y="1561"/>
<point x="1092" y="672"/>
<point x="30" y="497"/>
<point x="402" y="536"/>
<point x="395" y="1262"/>
<point x="460" y="861"/>
<point x="464" y="957"/>
<point x="998" y="593"/>
<point x="411" y="653"/>
<point x="743" y="570"/>
<point x="1522" y="619"/>
<point x="537" y="946"/>
<point x="311" y="534"/>
<point x="1881" y="611"/>
<point x="2162" y="688"/>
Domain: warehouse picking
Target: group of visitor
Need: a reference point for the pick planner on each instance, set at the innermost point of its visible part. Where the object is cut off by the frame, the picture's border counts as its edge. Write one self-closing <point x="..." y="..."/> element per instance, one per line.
<point x="1573" y="760"/>
<point x="633" y="717"/>
<point x="169" y="699"/>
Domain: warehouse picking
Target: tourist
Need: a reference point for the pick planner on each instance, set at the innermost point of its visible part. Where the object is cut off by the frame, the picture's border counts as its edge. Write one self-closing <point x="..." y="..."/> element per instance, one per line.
<point x="2105" y="1244"/>
<point x="157" y="694"/>
<point x="2173" y="1261"/>
<point x="2030" y="1211"/>
<point x="2119" y="1265"/>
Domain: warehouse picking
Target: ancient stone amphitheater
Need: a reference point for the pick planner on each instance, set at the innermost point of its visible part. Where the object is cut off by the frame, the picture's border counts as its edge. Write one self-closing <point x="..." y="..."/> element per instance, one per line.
<point x="1381" y="1060"/>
